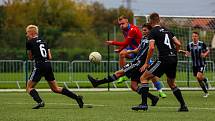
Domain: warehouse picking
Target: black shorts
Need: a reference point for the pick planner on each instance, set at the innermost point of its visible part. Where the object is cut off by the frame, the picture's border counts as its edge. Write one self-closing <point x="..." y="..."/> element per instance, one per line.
<point x="165" y="65"/>
<point x="132" y="70"/>
<point x="197" y="69"/>
<point x="42" y="69"/>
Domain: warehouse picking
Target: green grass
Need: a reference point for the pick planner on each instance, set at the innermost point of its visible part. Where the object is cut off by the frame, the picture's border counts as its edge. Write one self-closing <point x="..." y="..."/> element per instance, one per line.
<point x="108" y="106"/>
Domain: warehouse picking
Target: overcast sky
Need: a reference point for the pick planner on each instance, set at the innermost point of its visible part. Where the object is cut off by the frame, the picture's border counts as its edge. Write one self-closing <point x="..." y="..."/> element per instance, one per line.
<point x="164" y="7"/>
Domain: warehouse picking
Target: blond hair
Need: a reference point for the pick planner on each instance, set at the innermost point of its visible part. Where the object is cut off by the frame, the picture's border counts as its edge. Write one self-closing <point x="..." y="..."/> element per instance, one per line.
<point x="32" y="27"/>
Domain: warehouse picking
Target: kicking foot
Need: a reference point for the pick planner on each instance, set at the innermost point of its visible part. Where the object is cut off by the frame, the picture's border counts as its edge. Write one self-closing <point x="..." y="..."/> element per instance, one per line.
<point x="155" y="101"/>
<point x="183" y="109"/>
<point x="93" y="81"/>
<point x="140" y="107"/>
<point x="162" y="94"/>
<point x="122" y="79"/>
<point x="39" y="105"/>
<point x="80" y="102"/>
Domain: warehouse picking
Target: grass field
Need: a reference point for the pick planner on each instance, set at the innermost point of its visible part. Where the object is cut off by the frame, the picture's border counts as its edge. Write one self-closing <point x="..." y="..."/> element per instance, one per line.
<point x="107" y="106"/>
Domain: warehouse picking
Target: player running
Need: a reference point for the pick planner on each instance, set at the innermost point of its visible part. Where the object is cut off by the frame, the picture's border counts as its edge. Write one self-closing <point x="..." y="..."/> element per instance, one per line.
<point x="39" y="52"/>
<point x="167" y="45"/>
<point x="198" y="51"/>
<point x="131" y="69"/>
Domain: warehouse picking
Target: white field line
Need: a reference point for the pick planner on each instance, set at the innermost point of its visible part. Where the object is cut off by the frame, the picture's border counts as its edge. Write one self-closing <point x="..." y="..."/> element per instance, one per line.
<point x="95" y="89"/>
<point x="99" y="105"/>
<point x="65" y="104"/>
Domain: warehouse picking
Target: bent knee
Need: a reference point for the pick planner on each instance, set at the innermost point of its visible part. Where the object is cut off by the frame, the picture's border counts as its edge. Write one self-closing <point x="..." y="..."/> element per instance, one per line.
<point x="56" y="90"/>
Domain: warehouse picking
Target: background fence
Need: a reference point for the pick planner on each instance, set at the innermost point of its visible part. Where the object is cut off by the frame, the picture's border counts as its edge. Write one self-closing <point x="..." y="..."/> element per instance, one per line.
<point x="13" y="73"/>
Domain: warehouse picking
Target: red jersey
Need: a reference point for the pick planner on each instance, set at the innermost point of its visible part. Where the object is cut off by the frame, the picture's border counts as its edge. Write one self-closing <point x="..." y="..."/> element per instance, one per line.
<point x="132" y="37"/>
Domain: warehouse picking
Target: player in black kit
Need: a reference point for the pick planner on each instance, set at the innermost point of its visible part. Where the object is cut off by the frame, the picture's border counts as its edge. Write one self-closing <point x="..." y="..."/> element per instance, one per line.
<point x="167" y="45"/>
<point x="39" y="51"/>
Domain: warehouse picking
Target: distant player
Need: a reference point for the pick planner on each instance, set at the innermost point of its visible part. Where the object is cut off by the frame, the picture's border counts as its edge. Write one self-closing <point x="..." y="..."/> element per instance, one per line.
<point x="198" y="51"/>
<point x="39" y="51"/>
<point x="132" y="38"/>
<point x="167" y="45"/>
<point x="131" y="70"/>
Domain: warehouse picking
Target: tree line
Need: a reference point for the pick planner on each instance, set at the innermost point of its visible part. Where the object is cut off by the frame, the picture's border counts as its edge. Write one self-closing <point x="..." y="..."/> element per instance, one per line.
<point x="72" y="29"/>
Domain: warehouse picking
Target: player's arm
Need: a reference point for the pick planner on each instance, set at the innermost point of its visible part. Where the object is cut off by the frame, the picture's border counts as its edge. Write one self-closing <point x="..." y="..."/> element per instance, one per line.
<point x="204" y="54"/>
<point x="117" y="43"/>
<point x="49" y="54"/>
<point x="149" y="55"/>
<point x="30" y="55"/>
<point x="177" y="43"/>
<point x="133" y="51"/>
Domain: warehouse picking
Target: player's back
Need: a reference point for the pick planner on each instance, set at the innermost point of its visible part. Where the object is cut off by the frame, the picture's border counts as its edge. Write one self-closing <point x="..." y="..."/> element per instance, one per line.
<point x="164" y="41"/>
<point x="39" y="49"/>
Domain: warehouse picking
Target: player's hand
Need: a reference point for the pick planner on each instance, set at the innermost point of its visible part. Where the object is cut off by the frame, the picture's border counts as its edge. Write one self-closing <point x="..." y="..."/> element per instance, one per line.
<point x="144" y="67"/>
<point x="203" y="55"/>
<point x="109" y="42"/>
<point x="187" y="54"/>
<point x="117" y="50"/>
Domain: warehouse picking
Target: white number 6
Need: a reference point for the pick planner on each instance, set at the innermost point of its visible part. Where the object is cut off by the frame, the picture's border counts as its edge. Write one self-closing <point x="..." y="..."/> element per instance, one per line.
<point x="43" y="50"/>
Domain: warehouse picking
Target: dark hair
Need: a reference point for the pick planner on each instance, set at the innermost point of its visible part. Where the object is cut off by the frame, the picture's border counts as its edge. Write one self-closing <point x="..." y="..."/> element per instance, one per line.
<point x="122" y="17"/>
<point x="196" y="33"/>
<point x="147" y="25"/>
<point x="154" y="17"/>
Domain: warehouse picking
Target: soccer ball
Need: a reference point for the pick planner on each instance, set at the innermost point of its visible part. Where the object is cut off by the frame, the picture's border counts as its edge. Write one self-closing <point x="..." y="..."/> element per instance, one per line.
<point x="95" y="57"/>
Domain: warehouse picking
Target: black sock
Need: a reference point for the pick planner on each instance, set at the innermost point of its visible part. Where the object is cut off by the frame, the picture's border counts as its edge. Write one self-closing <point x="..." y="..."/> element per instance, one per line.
<point x="107" y="80"/>
<point x="144" y="89"/>
<point x="205" y="80"/>
<point x="69" y="93"/>
<point x="151" y="96"/>
<point x="202" y="85"/>
<point x="178" y="95"/>
<point x="34" y="94"/>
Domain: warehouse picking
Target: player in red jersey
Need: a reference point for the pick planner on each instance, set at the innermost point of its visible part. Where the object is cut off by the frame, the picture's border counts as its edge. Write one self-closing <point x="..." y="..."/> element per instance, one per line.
<point x="132" y="38"/>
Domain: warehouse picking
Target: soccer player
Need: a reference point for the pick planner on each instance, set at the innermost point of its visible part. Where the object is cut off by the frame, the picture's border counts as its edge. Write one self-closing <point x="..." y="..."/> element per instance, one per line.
<point x="39" y="51"/>
<point x="198" y="51"/>
<point x="132" y="38"/>
<point x="132" y="69"/>
<point x="167" y="45"/>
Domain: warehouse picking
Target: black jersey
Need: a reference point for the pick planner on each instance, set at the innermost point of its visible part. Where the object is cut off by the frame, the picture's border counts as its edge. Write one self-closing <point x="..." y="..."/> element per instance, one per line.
<point x="164" y="41"/>
<point x="39" y="49"/>
<point x="142" y="49"/>
<point x="196" y="50"/>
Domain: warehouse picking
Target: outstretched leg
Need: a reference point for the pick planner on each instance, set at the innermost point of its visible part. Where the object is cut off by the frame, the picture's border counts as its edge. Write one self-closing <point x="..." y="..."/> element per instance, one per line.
<point x="111" y="78"/>
<point x="55" y="88"/>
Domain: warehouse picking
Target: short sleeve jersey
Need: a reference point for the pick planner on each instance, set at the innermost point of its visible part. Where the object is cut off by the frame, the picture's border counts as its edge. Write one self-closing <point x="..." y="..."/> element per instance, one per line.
<point x="39" y="49"/>
<point x="196" y="50"/>
<point x="163" y="40"/>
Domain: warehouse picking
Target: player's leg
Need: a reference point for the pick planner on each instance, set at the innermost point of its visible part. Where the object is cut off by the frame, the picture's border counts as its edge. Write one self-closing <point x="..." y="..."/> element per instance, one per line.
<point x="171" y="75"/>
<point x="201" y="79"/>
<point x="32" y="82"/>
<point x="143" y="90"/>
<point x="158" y="86"/>
<point x="135" y="80"/>
<point x="122" y="62"/>
<point x="64" y="91"/>
<point x="115" y="76"/>
<point x="34" y="94"/>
